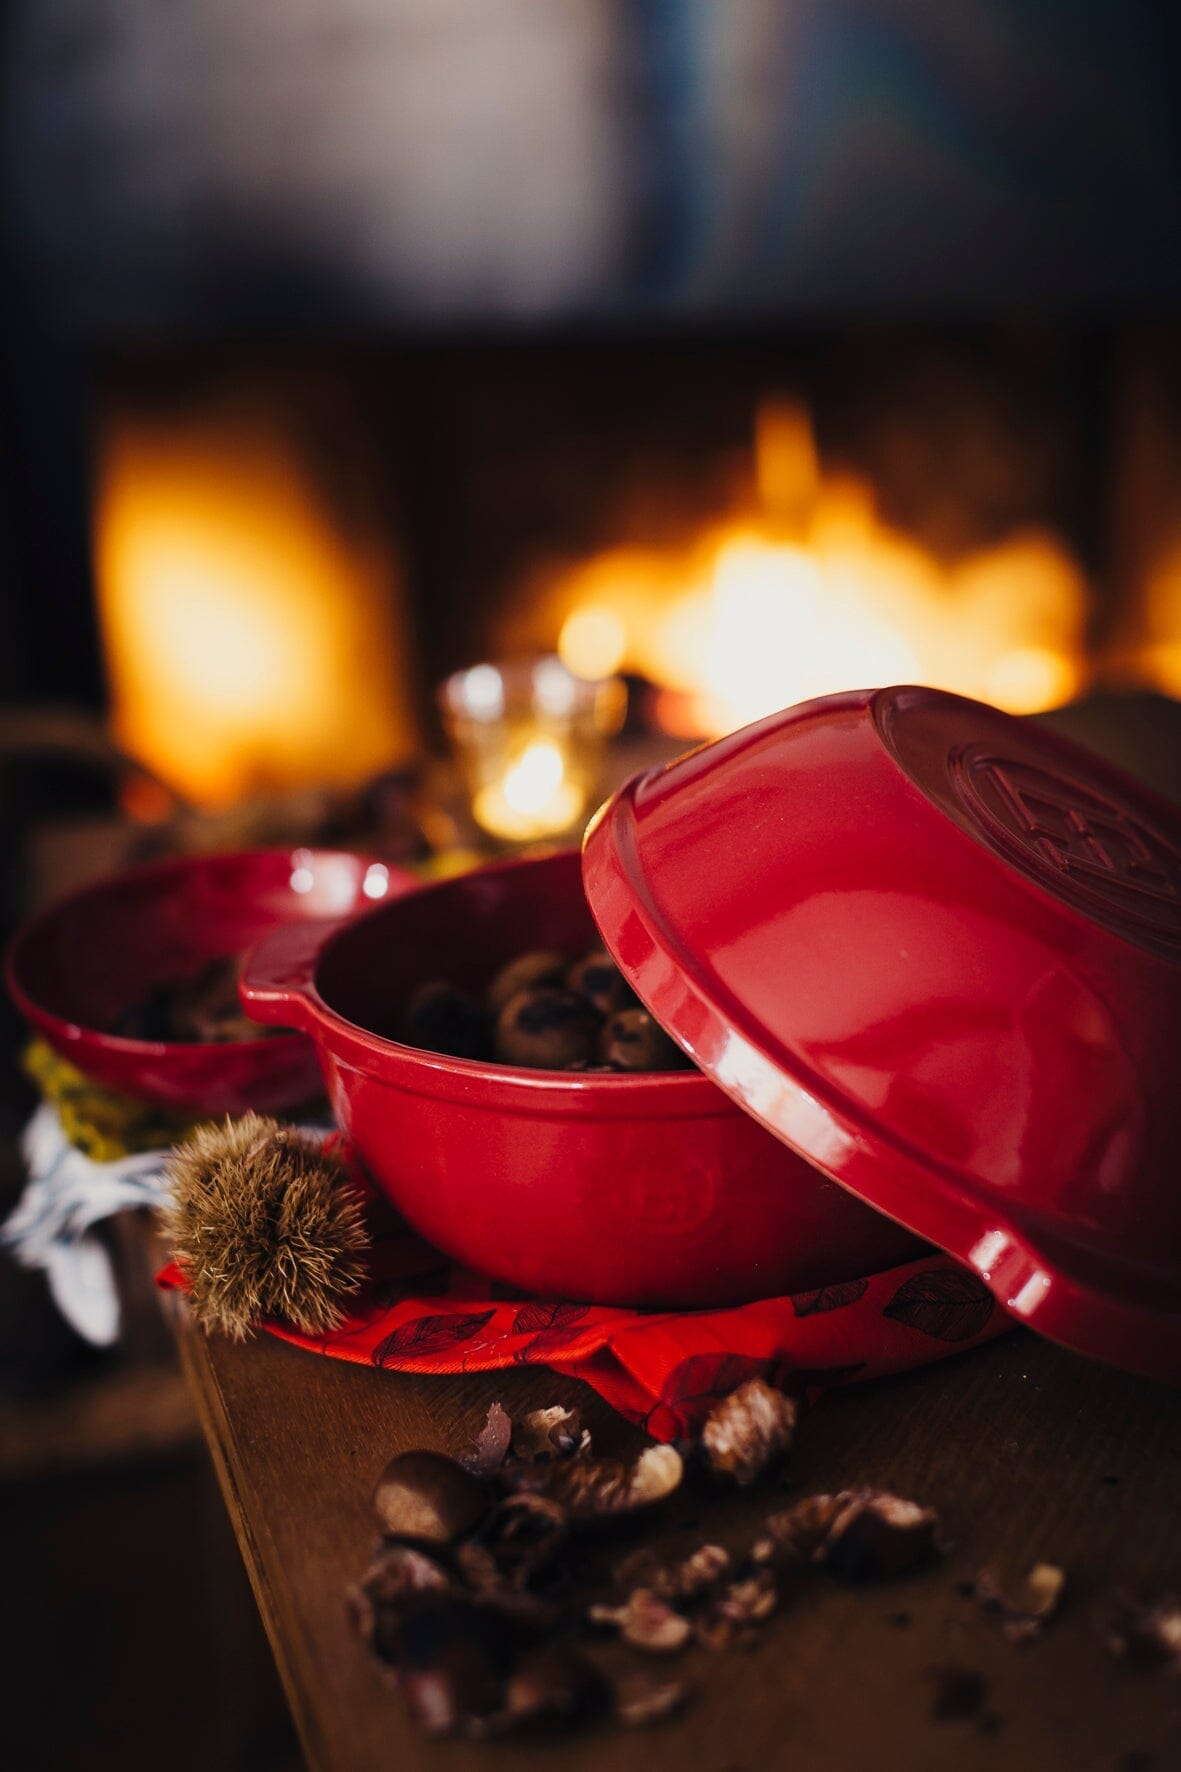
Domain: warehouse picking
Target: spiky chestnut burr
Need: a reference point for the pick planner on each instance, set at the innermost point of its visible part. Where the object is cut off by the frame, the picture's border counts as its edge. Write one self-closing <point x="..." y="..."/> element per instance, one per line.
<point x="264" y="1224"/>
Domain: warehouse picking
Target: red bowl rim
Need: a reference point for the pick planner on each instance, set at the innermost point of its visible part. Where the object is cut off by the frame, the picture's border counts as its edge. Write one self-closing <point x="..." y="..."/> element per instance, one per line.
<point x="46" y="1019"/>
<point x="568" y="1085"/>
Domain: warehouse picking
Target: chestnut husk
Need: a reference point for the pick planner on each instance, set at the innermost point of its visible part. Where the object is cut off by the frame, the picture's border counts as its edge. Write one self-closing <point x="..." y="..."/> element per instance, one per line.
<point x="735" y="1608"/>
<point x="594" y="1490"/>
<point x="645" y="1621"/>
<point x="488" y="1451"/>
<point x="377" y="1601"/>
<point x="876" y="1536"/>
<point x="555" y="1432"/>
<point x="643" y="1698"/>
<point x="454" y="1660"/>
<point x="521" y="1539"/>
<point x="550" y="1684"/>
<point x="1145" y="1630"/>
<point x="793" y="1538"/>
<point x="1026" y="1605"/>
<point x="746" y="1434"/>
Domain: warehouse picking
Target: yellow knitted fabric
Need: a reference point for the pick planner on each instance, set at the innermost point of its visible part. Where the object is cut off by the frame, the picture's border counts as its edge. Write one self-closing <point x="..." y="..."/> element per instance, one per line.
<point x="98" y="1122"/>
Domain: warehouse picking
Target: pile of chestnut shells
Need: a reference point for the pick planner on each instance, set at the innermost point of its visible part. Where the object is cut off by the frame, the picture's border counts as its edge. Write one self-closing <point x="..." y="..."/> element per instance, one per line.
<point x="545" y="1012"/>
<point x="463" y="1602"/>
<point x="495" y="1573"/>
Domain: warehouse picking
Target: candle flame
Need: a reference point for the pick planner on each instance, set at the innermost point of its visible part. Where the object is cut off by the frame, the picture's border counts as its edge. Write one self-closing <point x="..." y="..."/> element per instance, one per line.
<point x="534" y="798"/>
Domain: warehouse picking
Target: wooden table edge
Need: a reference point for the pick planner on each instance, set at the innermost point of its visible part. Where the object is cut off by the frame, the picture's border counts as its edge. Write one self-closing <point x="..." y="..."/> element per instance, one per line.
<point x="221" y="1440"/>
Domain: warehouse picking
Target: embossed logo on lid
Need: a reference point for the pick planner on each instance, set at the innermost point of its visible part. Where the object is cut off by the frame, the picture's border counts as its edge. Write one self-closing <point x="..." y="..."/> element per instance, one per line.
<point x="1085" y="847"/>
<point x="1066" y="820"/>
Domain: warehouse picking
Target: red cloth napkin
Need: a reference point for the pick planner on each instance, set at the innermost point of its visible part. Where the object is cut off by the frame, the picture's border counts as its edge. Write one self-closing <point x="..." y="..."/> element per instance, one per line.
<point x="418" y="1311"/>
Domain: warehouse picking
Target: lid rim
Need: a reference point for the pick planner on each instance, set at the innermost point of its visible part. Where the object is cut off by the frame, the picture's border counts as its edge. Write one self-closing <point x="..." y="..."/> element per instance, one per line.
<point x="642" y="865"/>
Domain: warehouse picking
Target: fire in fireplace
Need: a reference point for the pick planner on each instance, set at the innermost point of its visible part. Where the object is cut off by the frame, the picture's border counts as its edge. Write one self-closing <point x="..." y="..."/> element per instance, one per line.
<point x="249" y="593"/>
<point x="293" y="550"/>
<point x="805" y="590"/>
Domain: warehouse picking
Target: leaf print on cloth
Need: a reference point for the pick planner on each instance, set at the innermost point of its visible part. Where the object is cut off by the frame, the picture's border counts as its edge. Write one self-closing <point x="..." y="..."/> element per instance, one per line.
<point x="828" y="1298"/>
<point x="948" y="1304"/>
<point x="423" y="1336"/>
<point x="694" y="1386"/>
<point x="535" y="1317"/>
<point x="552" y="1326"/>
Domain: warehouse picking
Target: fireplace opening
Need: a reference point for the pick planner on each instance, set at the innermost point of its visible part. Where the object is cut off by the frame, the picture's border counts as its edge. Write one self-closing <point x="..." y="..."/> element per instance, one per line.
<point x="294" y="548"/>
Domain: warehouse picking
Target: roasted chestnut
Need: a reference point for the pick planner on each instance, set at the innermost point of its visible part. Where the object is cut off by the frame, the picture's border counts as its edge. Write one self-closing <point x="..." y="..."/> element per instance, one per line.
<point x="543" y="1011"/>
<point x="428" y="1496"/>
<point x="633" y="1041"/>
<point x="203" y="1007"/>
<point x="439" y="1018"/>
<point x="547" y="1029"/>
<point x="522" y="974"/>
<point x="597" y="978"/>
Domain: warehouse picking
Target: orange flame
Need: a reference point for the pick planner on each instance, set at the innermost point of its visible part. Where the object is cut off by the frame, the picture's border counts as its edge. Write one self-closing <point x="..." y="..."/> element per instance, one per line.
<point x="251" y="646"/>
<point x="813" y="593"/>
<point x="1158" y="658"/>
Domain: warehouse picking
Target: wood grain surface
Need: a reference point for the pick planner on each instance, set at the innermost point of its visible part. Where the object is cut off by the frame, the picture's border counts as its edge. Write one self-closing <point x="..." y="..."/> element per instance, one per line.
<point x="1028" y="1452"/>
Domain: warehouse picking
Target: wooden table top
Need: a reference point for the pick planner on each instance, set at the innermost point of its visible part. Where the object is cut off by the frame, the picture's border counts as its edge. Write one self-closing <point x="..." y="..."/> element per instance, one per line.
<point x="1029" y="1453"/>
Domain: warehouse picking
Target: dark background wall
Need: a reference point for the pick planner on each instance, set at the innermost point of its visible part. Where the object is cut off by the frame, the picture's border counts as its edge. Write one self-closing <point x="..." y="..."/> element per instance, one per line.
<point x="317" y="161"/>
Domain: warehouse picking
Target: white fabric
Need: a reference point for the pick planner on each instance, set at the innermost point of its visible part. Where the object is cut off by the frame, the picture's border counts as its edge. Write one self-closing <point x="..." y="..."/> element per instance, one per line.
<point x="52" y="1225"/>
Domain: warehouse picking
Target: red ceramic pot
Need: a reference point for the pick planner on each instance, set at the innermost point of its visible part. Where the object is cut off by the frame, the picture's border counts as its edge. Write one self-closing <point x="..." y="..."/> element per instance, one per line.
<point x="651" y="1190"/>
<point x="79" y="964"/>
<point x="937" y="950"/>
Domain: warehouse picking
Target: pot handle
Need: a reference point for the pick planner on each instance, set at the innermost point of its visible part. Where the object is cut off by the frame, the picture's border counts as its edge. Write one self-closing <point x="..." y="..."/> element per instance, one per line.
<point x="276" y="981"/>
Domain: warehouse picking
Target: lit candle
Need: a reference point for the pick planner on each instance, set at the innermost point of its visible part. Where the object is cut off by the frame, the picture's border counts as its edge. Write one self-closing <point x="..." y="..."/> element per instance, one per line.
<point x="533" y="799"/>
<point x="529" y="739"/>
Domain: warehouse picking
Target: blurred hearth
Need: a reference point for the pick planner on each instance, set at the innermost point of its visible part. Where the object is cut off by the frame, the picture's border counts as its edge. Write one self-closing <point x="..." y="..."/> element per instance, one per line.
<point x="293" y="548"/>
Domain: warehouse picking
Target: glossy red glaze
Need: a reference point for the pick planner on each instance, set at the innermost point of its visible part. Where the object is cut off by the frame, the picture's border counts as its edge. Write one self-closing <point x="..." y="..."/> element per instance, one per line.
<point x="934" y="949"/>
<point x="73" y="968"/>
<point x="647" y="1190"/>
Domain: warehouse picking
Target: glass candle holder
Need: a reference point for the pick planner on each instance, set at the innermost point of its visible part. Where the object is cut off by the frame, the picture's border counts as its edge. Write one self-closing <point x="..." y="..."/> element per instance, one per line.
<point x="529" y="737"/>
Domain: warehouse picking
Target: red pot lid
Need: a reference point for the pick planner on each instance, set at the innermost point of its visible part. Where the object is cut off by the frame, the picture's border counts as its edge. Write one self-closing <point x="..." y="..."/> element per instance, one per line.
<point x="937" y="950"/>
